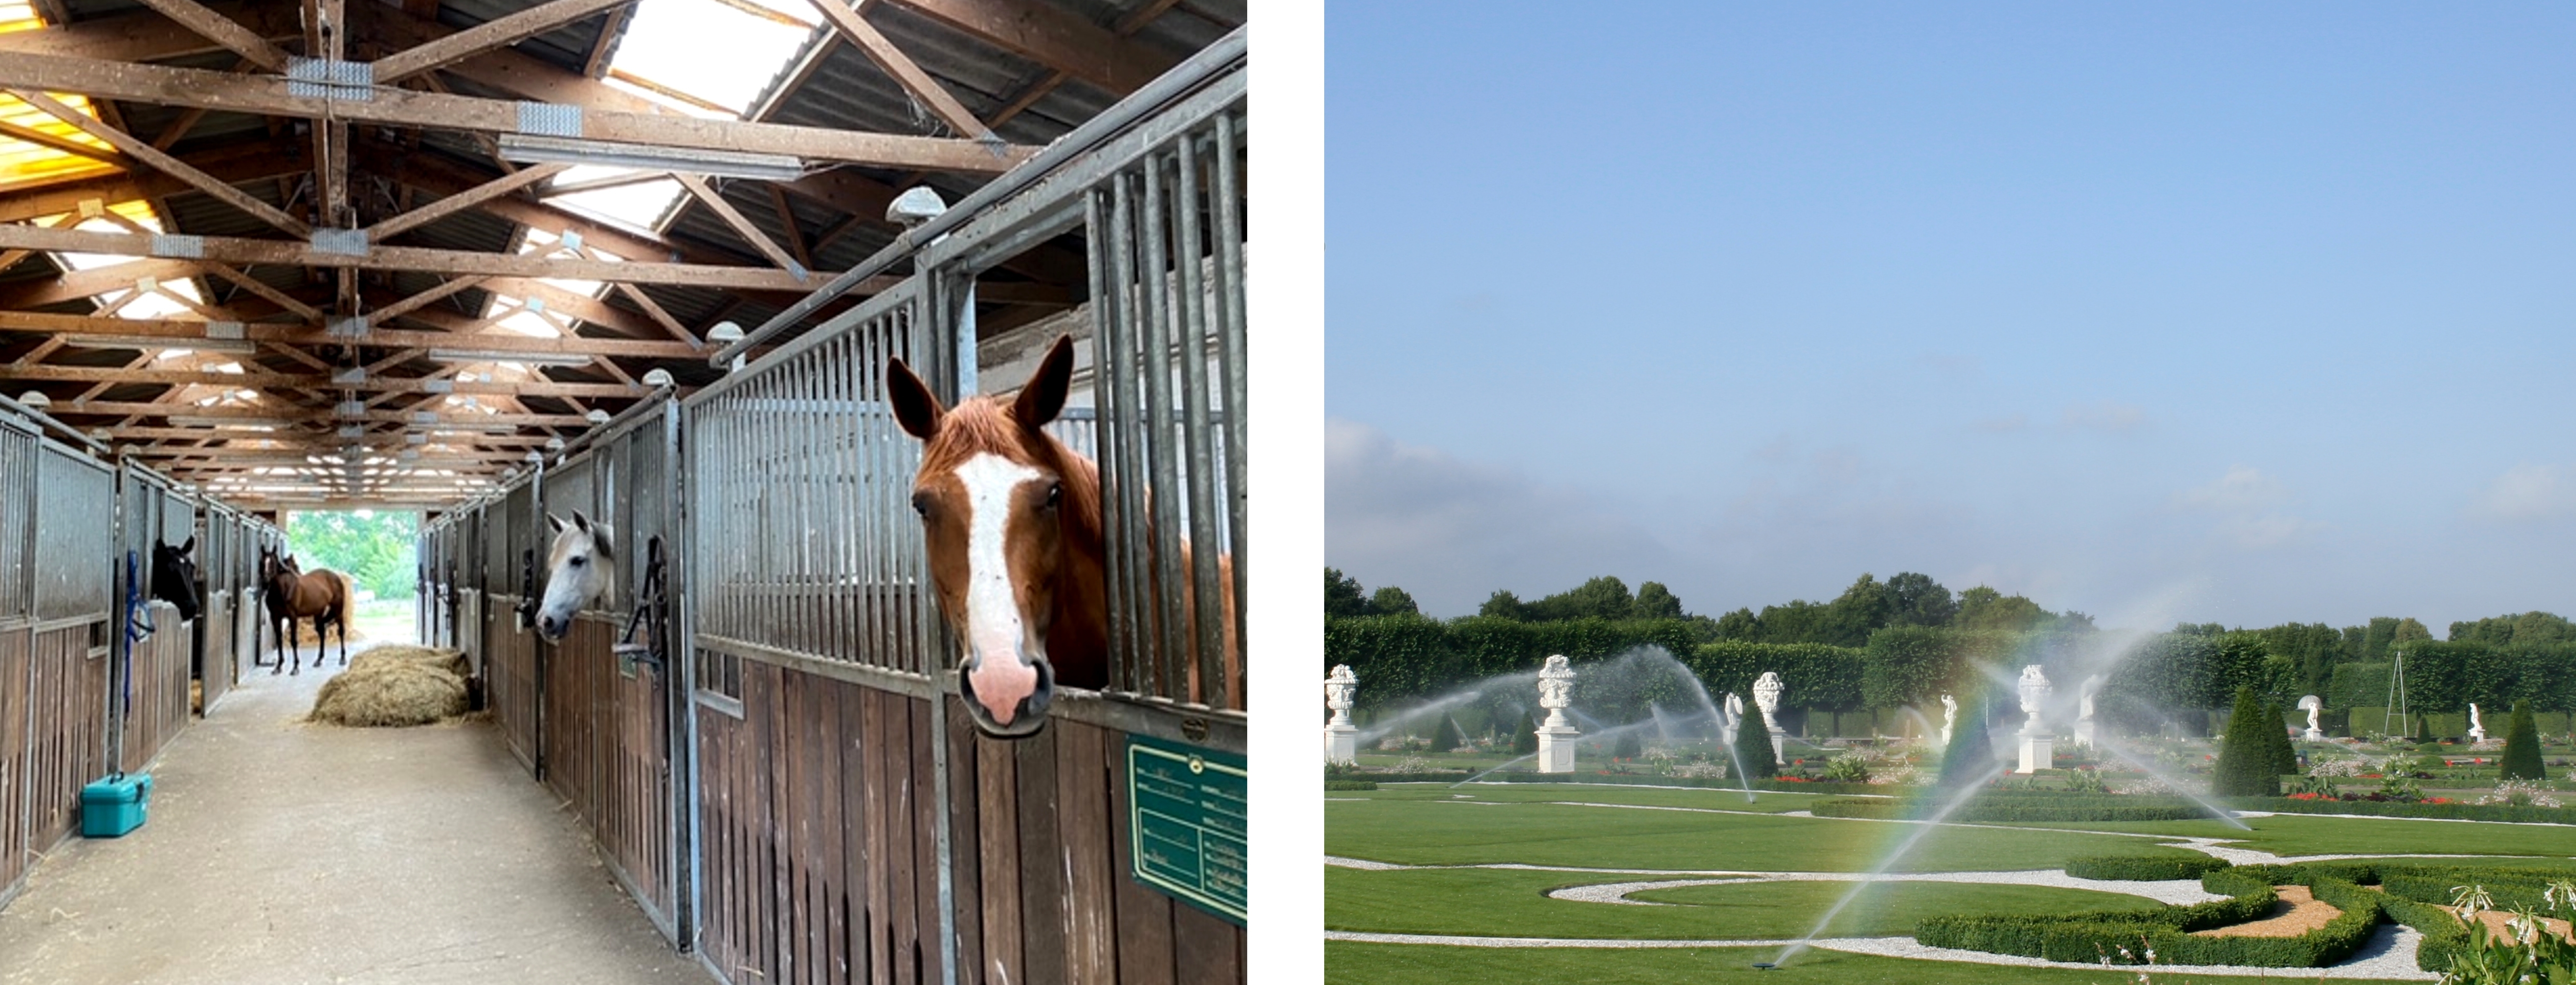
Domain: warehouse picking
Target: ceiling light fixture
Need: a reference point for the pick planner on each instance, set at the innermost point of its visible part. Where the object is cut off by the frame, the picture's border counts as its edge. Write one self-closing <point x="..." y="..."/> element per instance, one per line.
<point x="527" y="149"/>
<point x="504" y="356"/>
<point x="157" y="343"/>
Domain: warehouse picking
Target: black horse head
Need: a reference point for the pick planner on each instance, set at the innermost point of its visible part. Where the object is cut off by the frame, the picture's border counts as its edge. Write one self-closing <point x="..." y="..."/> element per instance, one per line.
<point x="174" y="575"/>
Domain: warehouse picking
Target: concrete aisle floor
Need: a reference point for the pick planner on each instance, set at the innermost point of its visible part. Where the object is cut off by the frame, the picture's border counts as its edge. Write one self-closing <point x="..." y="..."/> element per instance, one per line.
<point x="281" y="852"/>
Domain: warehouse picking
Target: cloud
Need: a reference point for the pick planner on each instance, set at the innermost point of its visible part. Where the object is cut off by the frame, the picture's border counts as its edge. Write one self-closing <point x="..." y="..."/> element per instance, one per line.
<point x="2249" y="509"/>
<point x="2526" y="493"/>
<point x="2108" y="415"/>
<point x="1452" y="531"/>
<point x="2242" y="488"/>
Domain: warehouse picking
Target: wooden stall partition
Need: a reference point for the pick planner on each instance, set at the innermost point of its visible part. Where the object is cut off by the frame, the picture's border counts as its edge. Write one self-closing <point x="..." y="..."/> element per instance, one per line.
<point x="216" y="669"/>
<point x="157" y="708"/>
<point x="68" y="731"/>
<point x="607" y="754"/>
<point x="17" y="848"/>
<point x="510" y="671"/>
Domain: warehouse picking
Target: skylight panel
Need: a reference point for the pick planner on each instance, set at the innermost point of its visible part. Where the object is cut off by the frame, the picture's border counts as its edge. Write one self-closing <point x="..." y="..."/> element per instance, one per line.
<point x="24" y="163"/>
<point x="668" y="45"/>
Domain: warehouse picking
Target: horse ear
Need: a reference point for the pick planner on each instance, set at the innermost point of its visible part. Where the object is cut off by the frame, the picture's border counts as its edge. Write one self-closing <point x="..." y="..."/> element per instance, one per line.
<point x="581" y="521"/>
<point x="1043" y="398"/>
<point x="914" y="406"/>
<point x="189" y="544"/>
<point x="556" y="522"/>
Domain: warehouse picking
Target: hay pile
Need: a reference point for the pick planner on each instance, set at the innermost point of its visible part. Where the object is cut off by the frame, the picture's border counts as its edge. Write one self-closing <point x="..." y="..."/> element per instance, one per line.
<point x="451" y="661"/>
<point x="399" y="686"/>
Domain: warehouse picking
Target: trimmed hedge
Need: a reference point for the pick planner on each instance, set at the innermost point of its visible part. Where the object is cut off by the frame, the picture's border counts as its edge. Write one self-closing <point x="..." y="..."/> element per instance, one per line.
<point x="2398" y="808"/>
<point x="2004" y="808"/>
<point x="1350" y="785"/>
<point x="1637" y="779"/>
<point x="2126" y="937"/>
<point x="2137" y="868"/>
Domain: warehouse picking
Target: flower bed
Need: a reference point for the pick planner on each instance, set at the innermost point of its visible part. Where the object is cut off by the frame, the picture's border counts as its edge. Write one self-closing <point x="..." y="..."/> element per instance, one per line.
<point x="2431" y="807"/>
<point x="2143" y="868"/>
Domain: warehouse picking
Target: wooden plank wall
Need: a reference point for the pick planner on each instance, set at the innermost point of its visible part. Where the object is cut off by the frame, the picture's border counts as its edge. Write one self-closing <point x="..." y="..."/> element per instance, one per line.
<point x="819" y="864"/>
<point x="605" y="754"/>
<point x="160" y="669"/>
<point x="16" y="782"/>
<point x="215" y="671"/>
<point x="510" y="672"/>
<point x="68" y="748"/>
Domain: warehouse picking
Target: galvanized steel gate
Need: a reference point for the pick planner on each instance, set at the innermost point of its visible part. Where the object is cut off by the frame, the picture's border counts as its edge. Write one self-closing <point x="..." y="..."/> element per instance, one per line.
<point x="813" y="804"/>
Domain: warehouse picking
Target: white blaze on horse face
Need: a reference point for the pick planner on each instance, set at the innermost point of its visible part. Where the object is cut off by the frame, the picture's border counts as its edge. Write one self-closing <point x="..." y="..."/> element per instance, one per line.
<point x="1004" y="671"/>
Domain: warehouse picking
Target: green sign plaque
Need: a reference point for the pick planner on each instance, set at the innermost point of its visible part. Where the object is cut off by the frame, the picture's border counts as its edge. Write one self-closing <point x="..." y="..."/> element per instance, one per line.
<point x="1185" y="812"/>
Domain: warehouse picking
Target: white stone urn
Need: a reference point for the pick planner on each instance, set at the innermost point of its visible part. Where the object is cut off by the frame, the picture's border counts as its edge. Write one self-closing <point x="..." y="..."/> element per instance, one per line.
<point x="2037" y="745"/>
<point x="1556" y="736"/>
<point x="1341" y="737"/>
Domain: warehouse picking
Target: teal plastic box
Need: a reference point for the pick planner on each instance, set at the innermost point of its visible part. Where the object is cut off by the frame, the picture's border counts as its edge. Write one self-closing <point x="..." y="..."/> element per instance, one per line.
<point x="114" y="806"/>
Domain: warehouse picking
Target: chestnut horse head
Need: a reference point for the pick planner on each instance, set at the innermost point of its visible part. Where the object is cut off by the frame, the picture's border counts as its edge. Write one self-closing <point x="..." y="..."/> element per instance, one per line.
<point x="579" y="570"/>
<point x="1011" y="518"/>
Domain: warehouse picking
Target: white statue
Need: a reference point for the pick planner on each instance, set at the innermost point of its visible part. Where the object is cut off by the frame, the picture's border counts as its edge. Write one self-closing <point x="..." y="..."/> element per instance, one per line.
<point x="1341" y="738"/>
<point x="1338" y="688"/>
<point x="2036" y="744"/>
<point x="2084" y="705"/>
<point x="1949" y="717"/>
<point x="1556" y="738"/>
<point x="2477" y="726"/>
<point x="2315" y="707"/>
<point x="1731" y="719"/>
<point x="1766" y="693"/>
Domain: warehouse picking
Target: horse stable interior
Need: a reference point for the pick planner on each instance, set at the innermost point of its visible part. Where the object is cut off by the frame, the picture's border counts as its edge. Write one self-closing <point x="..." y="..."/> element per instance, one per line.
<point x="502" y="261"/>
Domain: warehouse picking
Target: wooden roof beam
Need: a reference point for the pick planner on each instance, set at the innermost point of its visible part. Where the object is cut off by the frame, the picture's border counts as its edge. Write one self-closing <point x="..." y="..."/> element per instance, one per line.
<point x="406" y="108"/>
<point x="308" y="334"/>
<point x="158" y="159"/>
<point x="222" y="30"/>
<point x="264" y="380"/>
<point x="906" y="73"/>
<point x="226" y="249"/>
<point x="1053" y="37"/>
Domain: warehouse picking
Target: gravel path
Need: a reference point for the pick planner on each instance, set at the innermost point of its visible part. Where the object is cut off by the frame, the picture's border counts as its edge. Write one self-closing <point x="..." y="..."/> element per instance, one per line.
<point x="2182" y="892"/>
<point x="2389" y="956"/>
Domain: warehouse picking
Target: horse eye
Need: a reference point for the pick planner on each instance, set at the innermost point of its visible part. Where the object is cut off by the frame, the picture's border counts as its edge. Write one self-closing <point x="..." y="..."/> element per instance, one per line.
<point x="921" y="504"/>
<point x="578" y="561"/>
<point x="1055" y="495"/>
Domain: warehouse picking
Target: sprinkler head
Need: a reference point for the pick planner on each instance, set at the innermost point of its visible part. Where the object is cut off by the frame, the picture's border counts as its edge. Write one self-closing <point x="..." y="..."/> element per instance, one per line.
<point x="1763" y="966"/>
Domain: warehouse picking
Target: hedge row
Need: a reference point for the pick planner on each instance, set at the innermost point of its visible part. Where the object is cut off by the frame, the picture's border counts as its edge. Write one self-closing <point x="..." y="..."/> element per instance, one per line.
<point x="1406" y="656"/>
<point x="1623" y="779"/>
<point x="2127" y="937"/>
<point x="2397" y="808"/>
<point x="1997" y="809"/>
<point x="2143" y="868"/>
<point x="1350" y="785"/>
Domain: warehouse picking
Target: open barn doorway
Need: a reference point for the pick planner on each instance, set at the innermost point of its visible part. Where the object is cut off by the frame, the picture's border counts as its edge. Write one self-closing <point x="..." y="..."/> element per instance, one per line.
<point x="379" y="550"/>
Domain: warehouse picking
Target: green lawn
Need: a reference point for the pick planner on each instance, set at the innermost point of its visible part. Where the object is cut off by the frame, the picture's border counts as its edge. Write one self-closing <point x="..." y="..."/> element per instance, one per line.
<point x="1594" y="793"/>
<point x="1513" y="903"/>
<point x="2299" y="834"/>
<point x="1347" y="963"/>
<point x="1430" y="833"/>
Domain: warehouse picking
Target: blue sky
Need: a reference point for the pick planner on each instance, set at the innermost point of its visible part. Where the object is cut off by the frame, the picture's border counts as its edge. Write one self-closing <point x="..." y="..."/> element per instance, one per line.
<point x="2157" y="312"/>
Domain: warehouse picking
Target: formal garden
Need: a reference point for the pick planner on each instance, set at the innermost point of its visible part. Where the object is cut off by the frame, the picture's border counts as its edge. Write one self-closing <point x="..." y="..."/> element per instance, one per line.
<point x="1635" y="799"/>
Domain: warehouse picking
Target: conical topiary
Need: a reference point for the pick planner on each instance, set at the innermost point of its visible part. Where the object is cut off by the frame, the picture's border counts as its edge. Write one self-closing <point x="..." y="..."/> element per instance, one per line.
<point x="1971" y="755"/>
<point x="1629" y="747"/>
<point x="2423" y="732"/>
<point x="2285" y="757"/>
<point x="1753" y="747"/>
<point x="2522" y="746"/>
<point x="1444" y="737"/>
<point x="2245" y="758"/>
<point x="1525" y="736"/>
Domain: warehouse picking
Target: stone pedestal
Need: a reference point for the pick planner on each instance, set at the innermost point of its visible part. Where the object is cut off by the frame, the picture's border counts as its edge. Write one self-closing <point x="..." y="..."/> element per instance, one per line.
<point x="1556" y="748"/>
<point x="2314" y="734"/>
<point x="1341" y="743"/>
<point x="2084" y="733"/>
<point x="2036" y="750"/>
<point x="1779" y="746"/>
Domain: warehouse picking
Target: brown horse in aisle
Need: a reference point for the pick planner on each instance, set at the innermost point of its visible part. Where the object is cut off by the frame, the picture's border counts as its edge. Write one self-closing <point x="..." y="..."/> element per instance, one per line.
<point x="291" y="594"/>
<point x="1011" y="518"/>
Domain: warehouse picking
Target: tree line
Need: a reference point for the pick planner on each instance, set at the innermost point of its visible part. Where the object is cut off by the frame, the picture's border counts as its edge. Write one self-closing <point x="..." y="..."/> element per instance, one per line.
<point x="1908" y="639"/>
